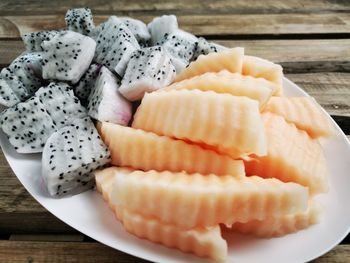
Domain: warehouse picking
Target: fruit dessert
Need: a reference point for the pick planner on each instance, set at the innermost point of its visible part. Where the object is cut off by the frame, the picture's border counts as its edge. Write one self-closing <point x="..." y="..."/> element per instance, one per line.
<point x="182" y="137"/>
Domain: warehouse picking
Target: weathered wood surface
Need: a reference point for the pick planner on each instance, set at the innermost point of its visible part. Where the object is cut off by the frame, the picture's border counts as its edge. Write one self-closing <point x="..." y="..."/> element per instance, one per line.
<point x="86" y="252"/>
<point x="10" y="7"/>
<point x="224" y="26"/>
<point x="299" y="56"/>
<point x="311" y="39"/>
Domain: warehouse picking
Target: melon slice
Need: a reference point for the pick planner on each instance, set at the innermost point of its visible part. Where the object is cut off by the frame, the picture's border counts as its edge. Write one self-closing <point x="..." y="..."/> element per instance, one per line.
<point x="292" y="156"/>
<point x="279" y="226"/>
<point x="230" y="59"/>
<point x="304" y="112"/>
<point x="202" y="241"/>
<point x="231" y="124"/>
<point x="231" y="83"/>
<point x="146" y="151"/>
<point x="193" y="200"/>
<point x="262" y="68"/>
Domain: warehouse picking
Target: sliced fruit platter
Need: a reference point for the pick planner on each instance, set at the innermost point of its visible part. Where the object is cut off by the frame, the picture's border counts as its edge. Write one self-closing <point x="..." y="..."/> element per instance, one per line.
<point x="188" y="142"/>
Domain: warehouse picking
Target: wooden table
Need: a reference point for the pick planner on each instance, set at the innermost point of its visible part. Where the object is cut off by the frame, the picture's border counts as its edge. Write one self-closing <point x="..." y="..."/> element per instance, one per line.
<point x="311" y="39"/>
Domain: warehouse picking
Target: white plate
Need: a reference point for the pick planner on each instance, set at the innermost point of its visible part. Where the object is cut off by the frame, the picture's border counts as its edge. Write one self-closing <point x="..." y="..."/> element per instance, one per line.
<point x="89" y="214"/>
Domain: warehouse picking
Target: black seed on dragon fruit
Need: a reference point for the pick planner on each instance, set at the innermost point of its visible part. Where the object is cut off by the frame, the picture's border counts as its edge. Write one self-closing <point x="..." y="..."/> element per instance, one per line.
<point x="12" y="90"/>
<point x="160" y="27"/>
<point x="138" y="28"/>
<point x="106" y="103"/>
<point x="115" y="44"/>
<point x="83" y="88"/>
<point x="203" y="47"/>
<point x="79" y="20"/>
<point x="32" y="41"/>
<point x="180" y="46"/>
<point x="29" y="124"/>
<point x="149" y="69"/>
<point x="70" y="156"/>
<point x="67" y="56"/>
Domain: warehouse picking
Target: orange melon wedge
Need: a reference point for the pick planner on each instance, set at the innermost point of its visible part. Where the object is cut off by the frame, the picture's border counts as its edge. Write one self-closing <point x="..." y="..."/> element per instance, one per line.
<point x="279" y="226"/>
<point x="193" y="200"/>
<point x="231" y="83"/>
<point x="262" y="68"/>
<point x="292" y="156"/>
<point x="230" y="59"/>
<point x="231" y="124"/>
<point x="146" y="151"/>
<point x="304" y="112"/>
<point x="202" y="241"/>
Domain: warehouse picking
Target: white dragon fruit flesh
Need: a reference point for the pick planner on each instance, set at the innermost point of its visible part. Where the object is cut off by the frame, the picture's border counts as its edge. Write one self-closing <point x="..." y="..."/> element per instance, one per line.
<point x="115" y="44"/>
<point x="32" y="41"/>
<point x="149" y="69"/>
<point x="83" y="88"/>
<point x="67" y="56"/>
<point x="160" y="27"/>
<point x="70" y="156"/>
<point x="29" y="124"/>
<point x="138" y="28"/>
<point x="79" y="20"/>
<point x="28" y="69"/>
<point x="180" y="46"/>
<point x="105" y="103"/>
<point x="12" y="90"/>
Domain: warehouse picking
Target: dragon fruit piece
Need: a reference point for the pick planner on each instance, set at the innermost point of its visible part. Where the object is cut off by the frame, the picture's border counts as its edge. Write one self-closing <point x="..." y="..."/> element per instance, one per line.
<point x="162" y="26"/>
<point x="12" y="90"/>
<point x="28" y="69"/>
<point x="79" y="20"/>
<point x="105" y="103"/>
<point x="115" y="44"/>
<point x="32" y="41"/>
<point x="180" y="46"/>
<point x="149" y="69"/>
<point x="83" y="88"/>
<point x="138" y="28"/>
<point x="70" y="156"/>
<point x="28" y="125"/>
<point x="67" y="56"/>
<point x="203" y="47"/>
<point x="61" y="104"/>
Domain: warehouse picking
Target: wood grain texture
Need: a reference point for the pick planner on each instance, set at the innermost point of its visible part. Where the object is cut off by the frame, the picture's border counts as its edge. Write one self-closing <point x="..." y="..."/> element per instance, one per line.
<point x="169" y="6"/>
<point x="86" y="252"/>
<point x="207" y="25"/>
<point x="43" y="252"/>
<point x="296" y="56"/>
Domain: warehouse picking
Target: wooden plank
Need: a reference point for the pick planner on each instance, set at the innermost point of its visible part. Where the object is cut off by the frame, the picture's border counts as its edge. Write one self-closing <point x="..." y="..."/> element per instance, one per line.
<point x="82" y="252"/>
<point x="296" y="56"/>
<point x="331" y="90"/>
<point x="339" y="254"/>
<point x="34" y="251"/>
<point x="180" y="6"/>
<point x="207" y="25"/>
